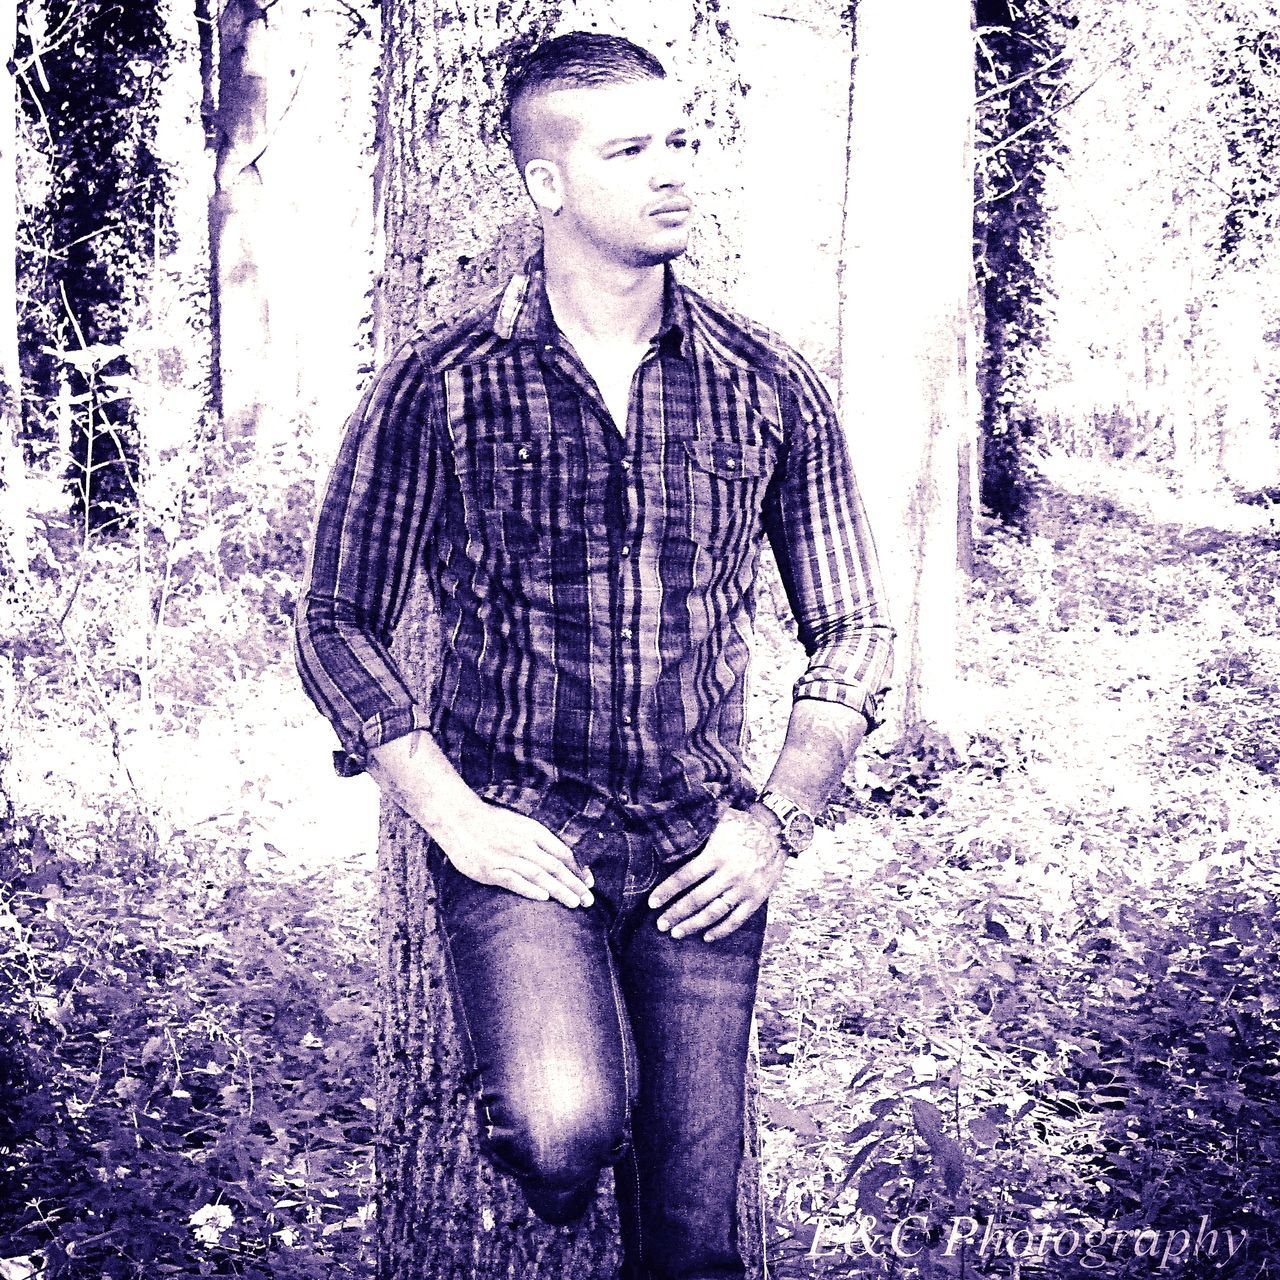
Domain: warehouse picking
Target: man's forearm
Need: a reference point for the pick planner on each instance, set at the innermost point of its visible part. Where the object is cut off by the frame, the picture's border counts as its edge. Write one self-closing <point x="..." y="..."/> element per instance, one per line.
<point x="419" y="777"/>
<point x="821" y="740"/>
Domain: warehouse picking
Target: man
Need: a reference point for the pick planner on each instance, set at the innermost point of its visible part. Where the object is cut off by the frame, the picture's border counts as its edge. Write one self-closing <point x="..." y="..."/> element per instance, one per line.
<point x="583" y="468"/>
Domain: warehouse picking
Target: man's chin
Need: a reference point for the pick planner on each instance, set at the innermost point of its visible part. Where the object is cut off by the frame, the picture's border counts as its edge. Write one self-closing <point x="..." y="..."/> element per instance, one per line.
<point x="657" y="255"/>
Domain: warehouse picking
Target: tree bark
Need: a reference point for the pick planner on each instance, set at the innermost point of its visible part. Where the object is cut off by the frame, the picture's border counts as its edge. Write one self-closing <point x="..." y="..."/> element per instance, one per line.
<point x="239" y="303"/>
<point x="908" y="406"/>
<point x="453" y="224"/>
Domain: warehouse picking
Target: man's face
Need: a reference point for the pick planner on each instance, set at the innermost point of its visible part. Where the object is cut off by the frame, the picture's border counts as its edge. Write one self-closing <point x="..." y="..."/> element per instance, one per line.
<point x="623" y="154"/>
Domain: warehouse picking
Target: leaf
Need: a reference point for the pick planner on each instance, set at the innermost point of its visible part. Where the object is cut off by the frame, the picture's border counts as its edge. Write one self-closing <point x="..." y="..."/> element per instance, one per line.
<point x="984" y="1131"/>
<point x="873" y="1178"/>
<point x="945" y="1149"/>
<point x="346" y="1010"/>
<point x="788" y="1117"/>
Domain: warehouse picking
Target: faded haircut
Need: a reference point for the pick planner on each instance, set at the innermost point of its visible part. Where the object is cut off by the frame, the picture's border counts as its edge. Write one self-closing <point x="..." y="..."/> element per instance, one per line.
<point x="574" y="60"/>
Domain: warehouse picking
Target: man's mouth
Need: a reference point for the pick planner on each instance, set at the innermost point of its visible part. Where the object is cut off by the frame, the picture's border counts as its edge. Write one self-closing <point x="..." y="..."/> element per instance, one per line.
<point x="671" y="206"/>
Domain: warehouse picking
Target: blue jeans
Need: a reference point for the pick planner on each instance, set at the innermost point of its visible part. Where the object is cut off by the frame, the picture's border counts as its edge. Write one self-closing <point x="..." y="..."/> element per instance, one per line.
<point x="600" y="1041"/>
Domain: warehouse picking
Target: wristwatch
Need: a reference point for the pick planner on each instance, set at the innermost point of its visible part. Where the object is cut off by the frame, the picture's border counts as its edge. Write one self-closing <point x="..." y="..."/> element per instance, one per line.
<point x="797" y="823"/>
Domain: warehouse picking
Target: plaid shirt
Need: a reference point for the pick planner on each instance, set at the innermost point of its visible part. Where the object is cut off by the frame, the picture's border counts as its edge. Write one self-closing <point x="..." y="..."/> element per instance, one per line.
<point x="595" y="587"/>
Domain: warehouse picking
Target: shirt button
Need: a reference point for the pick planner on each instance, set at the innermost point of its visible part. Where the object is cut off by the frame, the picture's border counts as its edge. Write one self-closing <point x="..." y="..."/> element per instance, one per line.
<point x="626" y="464"/>
<point x="625" y="633"/>
<point x="626" y="717"/>
<point x="730" y="463"/>
<point x="624" y="797"/>
<point x="626" y="551"/>
<point x="523" y="453"/>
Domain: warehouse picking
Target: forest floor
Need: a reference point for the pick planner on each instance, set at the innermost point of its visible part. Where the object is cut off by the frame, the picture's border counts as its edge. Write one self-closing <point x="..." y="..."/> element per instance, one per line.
<point x="1024" y="1012"/>
<point x="1019" y="1007"/>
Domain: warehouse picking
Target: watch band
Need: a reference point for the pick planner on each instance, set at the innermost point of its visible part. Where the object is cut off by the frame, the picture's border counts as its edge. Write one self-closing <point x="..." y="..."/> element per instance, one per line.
<point x="797" y="823"/>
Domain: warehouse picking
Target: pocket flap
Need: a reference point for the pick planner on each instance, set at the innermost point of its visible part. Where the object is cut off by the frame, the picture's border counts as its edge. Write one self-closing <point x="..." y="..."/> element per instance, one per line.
<point x="729" y="458"/>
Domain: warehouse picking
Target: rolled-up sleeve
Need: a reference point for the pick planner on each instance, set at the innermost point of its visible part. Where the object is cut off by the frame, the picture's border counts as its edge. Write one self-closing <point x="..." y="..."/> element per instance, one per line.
<point x="378" y="507"/>
<point x="817" y="527"/>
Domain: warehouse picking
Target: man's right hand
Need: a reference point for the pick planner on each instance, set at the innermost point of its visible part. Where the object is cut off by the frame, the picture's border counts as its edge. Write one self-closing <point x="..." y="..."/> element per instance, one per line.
<point x="501" y="847"/>
<point x="484" y="841"/>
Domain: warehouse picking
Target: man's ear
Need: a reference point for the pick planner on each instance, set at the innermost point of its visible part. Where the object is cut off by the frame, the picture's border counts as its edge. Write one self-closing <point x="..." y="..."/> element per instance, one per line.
<point x="542" y="181"/>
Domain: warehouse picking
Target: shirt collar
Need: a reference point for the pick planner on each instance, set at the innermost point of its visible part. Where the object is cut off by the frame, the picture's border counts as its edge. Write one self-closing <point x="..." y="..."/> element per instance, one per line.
<point x="524" y="314"/>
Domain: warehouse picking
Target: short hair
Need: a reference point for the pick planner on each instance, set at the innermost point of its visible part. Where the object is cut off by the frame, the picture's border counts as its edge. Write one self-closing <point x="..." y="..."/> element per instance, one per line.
<point x="574" y="60"/>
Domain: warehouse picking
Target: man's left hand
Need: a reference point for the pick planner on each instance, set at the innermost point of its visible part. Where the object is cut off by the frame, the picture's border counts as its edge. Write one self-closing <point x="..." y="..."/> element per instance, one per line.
<point x="733" y="873"/>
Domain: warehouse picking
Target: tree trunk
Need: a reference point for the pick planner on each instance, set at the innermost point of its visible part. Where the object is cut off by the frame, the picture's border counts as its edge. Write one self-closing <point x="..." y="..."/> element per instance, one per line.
<point x="240" y="312"/>
<point x="908" y="406"/>
<point x="454" y="223"/>
<point x="13" y="507"/>
<point x="99" y="78"/>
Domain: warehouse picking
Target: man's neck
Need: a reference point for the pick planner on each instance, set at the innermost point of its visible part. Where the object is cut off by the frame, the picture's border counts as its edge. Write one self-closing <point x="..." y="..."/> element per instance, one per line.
<point x="606" y="305"/>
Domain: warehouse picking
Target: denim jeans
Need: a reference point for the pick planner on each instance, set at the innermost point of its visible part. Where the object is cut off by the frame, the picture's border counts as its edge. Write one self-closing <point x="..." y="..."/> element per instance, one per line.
<point x="600" y="1040"/>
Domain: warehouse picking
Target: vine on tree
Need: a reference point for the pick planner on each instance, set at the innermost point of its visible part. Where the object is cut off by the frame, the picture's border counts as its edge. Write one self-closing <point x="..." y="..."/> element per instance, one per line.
<point x="1022" y="68"/>
<point x="91" y="75"/>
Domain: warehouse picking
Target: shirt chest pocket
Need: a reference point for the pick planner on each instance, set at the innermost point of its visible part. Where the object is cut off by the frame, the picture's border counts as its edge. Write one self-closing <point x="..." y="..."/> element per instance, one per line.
<point x="525" y="499"/>
<point x="726" y="482"/>
<point x="517" y="477"/>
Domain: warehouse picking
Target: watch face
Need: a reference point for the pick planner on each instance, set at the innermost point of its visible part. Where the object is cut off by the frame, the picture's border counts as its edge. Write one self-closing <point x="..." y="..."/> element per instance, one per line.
<point x="799" y="833"/>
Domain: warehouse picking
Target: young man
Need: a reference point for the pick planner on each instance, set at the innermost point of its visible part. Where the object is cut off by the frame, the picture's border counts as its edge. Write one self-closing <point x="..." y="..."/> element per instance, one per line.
<point x="583" y="468"/>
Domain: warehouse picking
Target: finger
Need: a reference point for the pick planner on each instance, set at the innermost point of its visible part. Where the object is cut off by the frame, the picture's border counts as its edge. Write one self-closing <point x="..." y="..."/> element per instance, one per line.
<point x="551" y="843"/>
<point x="510" y="879"/>
<point x="568" y="878"/>
<point x="734" y="920"/>
<point x="693" y="872"/>
<point x="548" y="840"/>
<point x="571" y="894"/>
<point x="712" y="894"/>
<point x="709" y="913"/>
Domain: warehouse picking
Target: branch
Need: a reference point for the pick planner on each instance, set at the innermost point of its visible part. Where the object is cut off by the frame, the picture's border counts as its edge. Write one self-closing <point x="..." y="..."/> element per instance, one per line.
<point x="1008" y="191"/>
<point x="362" y="23"/>
<point x="986" y="53"/>
<point x="1010" y="31"/>
<point x="1173" y="146"/>
<point x="1013" y="84"/>
<point x="25" y="79"/>
<point x="1048" y="115"/>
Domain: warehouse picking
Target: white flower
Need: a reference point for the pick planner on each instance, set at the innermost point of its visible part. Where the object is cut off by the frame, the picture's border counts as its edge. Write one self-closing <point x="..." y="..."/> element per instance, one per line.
<point x="210" y="1221"/>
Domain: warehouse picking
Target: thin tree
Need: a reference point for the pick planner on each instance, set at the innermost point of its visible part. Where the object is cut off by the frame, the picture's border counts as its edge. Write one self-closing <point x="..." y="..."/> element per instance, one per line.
<point x="1021" y="78"/>
<point x="454" y="225"/>
<point x="13" y="515"/>
<point x="906" y="302"/>
<point x="238" y="123"/>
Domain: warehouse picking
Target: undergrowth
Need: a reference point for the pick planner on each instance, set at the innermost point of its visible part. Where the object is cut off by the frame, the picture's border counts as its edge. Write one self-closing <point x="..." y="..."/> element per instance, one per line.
<point x="1025" y="986"/>
<point x="1028" y="1019"/>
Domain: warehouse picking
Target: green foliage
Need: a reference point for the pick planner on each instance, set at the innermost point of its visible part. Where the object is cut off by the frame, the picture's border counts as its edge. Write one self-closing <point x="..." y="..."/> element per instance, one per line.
<point x="185" y="1029"/>
<point x="188" y="1066"/>
<point x="1247" y="71"/>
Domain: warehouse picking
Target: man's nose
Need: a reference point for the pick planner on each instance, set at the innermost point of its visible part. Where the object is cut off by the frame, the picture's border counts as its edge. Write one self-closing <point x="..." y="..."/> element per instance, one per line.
<point x="673" y="169"/>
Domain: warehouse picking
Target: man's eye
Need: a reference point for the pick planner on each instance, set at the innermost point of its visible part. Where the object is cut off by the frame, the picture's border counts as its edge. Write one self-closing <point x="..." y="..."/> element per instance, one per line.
<point x="633" y="150"/>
